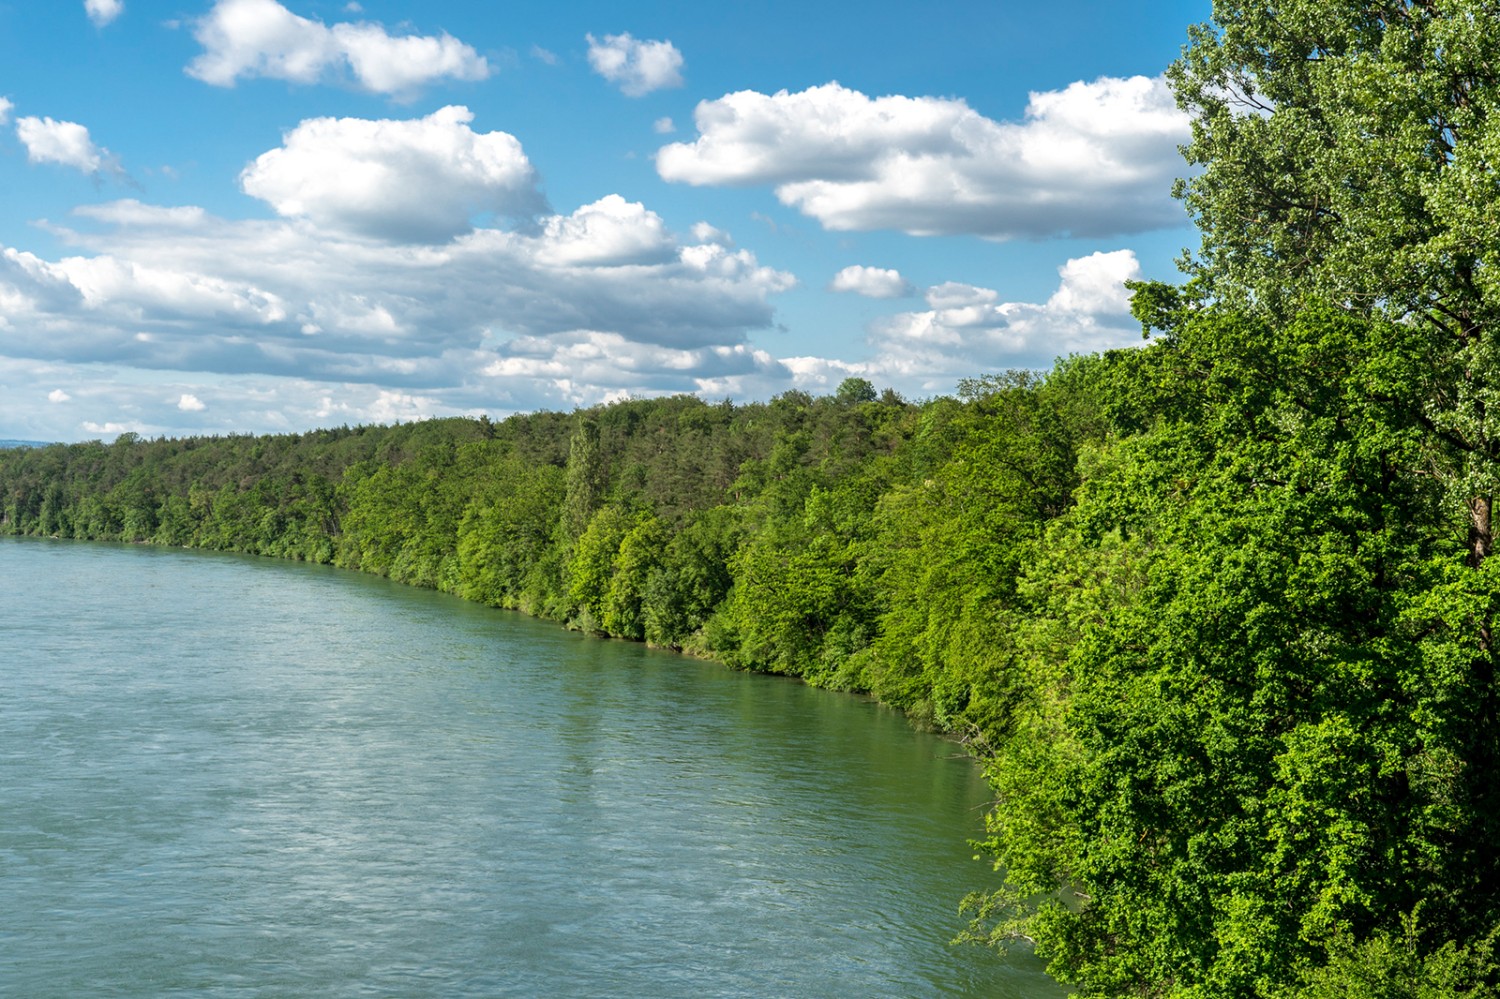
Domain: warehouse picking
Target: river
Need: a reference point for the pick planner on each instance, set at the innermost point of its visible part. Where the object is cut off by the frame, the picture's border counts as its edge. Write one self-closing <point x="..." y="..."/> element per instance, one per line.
<point x="238" y="777"/>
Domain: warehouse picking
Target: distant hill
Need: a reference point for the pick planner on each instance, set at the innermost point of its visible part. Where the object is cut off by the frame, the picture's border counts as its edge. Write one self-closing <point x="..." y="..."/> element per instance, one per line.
<point x="7" y="444"/>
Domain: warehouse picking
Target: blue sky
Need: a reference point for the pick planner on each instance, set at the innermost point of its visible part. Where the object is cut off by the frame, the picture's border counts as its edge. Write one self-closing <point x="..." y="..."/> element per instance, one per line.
<point x="229" y="216"/>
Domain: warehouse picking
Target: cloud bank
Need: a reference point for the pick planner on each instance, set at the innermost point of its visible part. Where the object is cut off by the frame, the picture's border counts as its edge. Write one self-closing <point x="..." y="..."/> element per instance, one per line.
<point x="967" y="329"/>
<point x="432" y="279"/>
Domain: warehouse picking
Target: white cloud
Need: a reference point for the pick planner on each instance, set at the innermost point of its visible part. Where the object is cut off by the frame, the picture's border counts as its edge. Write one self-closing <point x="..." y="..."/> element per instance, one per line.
<point x="705" y="233"/>
<point x="1092" y="159"/>
<point x="589" y="366"/>
<point x="66" y="143"/>
<point x="129" y="211"/>
<point x="636" y="67"/>
<point x="110" y="399"/>
<point x="190" y="403"/>
<point x="5" y="109"/>
<point x="544" y="55"/>
<point x="611" y="232"/>
<point x="260" y="38"/>
<point x="967" y="330"/>
<point x="390" y="65"/>
<point x="872" y="282"/>
<point x="663" y="126"/>
<point x="58" y="396"/>
<point x="108" y="428"/>
<point x="101" y="12"/>
<point x="419" y="180"/>
<point x="249" y="38"/>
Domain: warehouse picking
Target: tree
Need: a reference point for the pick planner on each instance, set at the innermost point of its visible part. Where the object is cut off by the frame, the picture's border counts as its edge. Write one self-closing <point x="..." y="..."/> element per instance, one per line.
<point x="592" y="566"/>
<point x="1348" y="154"/>
<point x="587" y="478"/>
<point x="855" y="390"/>
<point x="1257" y="742"/>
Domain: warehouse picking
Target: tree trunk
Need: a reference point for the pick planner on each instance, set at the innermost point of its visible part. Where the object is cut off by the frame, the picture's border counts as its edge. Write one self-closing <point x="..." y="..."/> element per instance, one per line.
<point x="1481" y="541"/>
<point x="1480" y="544"/>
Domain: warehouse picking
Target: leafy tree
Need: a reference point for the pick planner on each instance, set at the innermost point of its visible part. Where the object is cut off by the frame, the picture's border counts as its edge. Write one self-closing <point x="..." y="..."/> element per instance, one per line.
<point x="1256" y="729"/>
<point x="692" y="580"/>
<point x="1347" y="154"/>
<point x="506" y="531"/>
<point x="854" y="390"/>
<point x="587" y="478"/>
<point x="640" y="555"/>
<point x="591" y="568"/>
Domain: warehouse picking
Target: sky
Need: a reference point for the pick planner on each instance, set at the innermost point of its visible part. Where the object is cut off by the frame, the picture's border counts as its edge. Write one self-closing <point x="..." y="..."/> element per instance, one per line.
<point x="267" y="216"/>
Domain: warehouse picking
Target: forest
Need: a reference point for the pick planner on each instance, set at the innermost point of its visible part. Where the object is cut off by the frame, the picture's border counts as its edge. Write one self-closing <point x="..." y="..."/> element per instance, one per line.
<point x="1216" y="613"/>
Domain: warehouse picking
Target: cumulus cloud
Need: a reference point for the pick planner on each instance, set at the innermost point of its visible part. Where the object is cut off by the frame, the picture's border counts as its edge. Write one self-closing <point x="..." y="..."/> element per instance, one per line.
<point x="703" y="232"/>
<point x="58" y="396"/>
<point x="101" y="12"/>
<point x="190" y="403"/>
<point x="5" y="108"/>
<point x="419" y="180"/>
<point x="872" y="282"/>
<point x="295" y="328"/>
<point x="663" y="126"/>
<point x="250" y="38"/>
<point x="1092" y="159"/>
<point x="65" y="143"/>
<point x="967" y="329"/>
<point x="611" y="232"/>
<point x="636" y="67"/>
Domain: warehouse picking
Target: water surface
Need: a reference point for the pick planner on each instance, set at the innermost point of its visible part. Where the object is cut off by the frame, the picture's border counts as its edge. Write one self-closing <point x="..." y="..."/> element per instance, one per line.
<point x="227" y="776"/>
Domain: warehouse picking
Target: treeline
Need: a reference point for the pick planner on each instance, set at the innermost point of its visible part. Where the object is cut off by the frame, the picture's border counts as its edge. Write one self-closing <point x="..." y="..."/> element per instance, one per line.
<point x="1210" y="610"/>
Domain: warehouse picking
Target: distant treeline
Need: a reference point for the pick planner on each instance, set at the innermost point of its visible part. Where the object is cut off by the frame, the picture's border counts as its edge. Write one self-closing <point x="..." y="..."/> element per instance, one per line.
<point x="1210" y="610"/>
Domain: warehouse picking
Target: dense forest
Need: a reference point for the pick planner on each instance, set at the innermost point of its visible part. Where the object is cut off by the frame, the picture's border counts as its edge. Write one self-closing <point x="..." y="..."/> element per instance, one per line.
<point x="1217" y="612"/>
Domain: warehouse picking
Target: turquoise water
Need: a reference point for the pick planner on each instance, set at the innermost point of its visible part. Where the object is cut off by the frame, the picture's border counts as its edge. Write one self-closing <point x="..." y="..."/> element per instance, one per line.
<point x="226" y="776"/>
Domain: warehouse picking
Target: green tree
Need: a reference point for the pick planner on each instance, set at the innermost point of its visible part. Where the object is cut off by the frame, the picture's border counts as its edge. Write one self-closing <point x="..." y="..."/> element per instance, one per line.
<point x="587" y="478"/>
<point x="1347" y="153"/>
<point x="855" y="390"/>
<point x="505" y="534"/>
<point x="591" y="568"/>
<point x="1256" y="733"/>
<point x="640" y="555"/>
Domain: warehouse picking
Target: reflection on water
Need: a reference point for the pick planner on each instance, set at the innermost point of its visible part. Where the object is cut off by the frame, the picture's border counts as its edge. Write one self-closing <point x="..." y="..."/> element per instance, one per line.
<point x="235" y="777"/>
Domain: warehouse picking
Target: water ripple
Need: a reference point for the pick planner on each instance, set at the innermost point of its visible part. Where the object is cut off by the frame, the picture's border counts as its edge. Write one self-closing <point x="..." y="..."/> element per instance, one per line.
<point x="231" y="777"/>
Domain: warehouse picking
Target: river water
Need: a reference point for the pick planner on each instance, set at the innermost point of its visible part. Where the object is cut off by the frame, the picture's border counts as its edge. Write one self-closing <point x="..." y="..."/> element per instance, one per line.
<point x="227" y="776"/>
